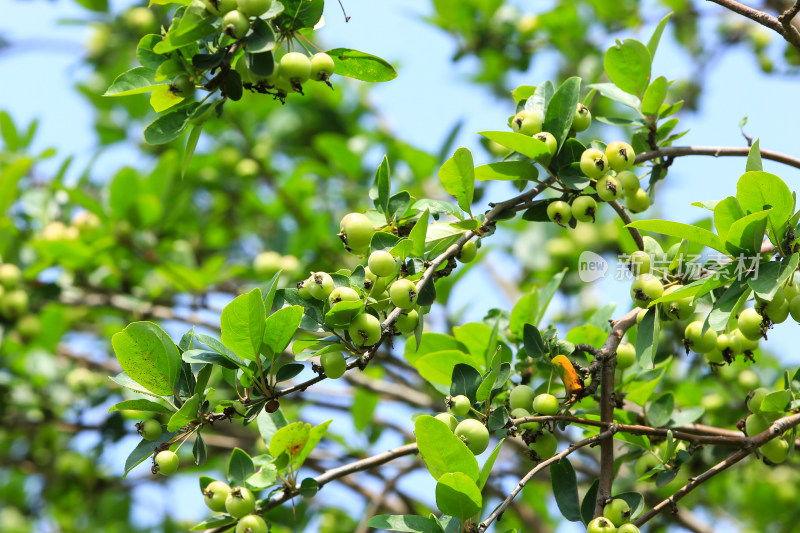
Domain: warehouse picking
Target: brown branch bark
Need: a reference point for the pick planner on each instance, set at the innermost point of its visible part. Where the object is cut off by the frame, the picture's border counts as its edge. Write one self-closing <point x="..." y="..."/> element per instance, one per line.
<point x="635" y="233"/>
<point x="715" y="151"/>
<point x="781" y="25"/>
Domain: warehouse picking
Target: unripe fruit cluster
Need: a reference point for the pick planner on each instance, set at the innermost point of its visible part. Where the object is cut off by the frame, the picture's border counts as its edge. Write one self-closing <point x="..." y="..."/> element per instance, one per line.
<point x="13" y="298"/>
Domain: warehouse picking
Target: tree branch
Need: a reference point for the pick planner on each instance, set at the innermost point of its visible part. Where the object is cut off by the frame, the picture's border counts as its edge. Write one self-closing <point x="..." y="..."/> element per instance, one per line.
<point x="715" y="151"/>
<point x="782" y="26"/>
<point x="637" y="236"/>
<point x="497" y="513"/>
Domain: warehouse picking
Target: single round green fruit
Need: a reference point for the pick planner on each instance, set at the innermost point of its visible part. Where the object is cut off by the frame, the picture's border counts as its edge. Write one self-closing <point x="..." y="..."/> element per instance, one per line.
<point x="29" y="326"/>
<point x="626" y="355"/>
<point x="645" y="464"/>
<point x="638" y="201"/>
<point x="302" y="288"/>
<point x="552" y="146"/>
<point x="522" y="413"/>
<point x="14" y="304"/>
<point x="468" y="252"/>
<point x="646" y="288"/>
<point x="322" y="66"/>
<point x="776" y="450"/>
<point x="365" y="330"/>
<point x="215" y="495"/>
<point x="729" y="344"/>
<point x="639" y="263"/>
<point x="601" y="525"/>
<point x="150" y="429"/>
<point x="267" y="264"/>
<point x="620" y="156"/>
<point x="182" y="86"/>
<point x="715" y="356"/>
<point x="794" y="308"/>
<point x="448" y="419"/>
<point x="747" y="345"/>
<point x="382" y="263"/>
<point x="756" y="399"/>
<point x="240" y="502"/>
<point x="527" y="122"/>
<point x="403" y="293"/>
<point x="295" y="67"/>
<point x="343" y="294"/>
<point x="251" y="524"/>
<point x="460" y="405"/>
<point x="376" y="285"/>
<point x="559" y="212"/>
<point x="545" y="404"/>
<point x="474" y="434"/>
<point x="699" y="342"/>
<point x="584" y="209"/>
<point x="582" y="118"/>
<point x="790" y="290"/>
<point x="236" y="24"/>
<point x="681" y="309"/>
<point x="545" y="445"/>
<point x="628" y="528"/>
<point x="357" y="231"/>
<point x="167" y="462"/>
<point x="617" y="511"/>
<point x="776" y="310"/>
<point x="407" y="322"/>
<point x="10" y="275"/>
<point x="321" y="285"/>
<point x="640" y="315"/>
<point x="755" y="424"/>
<point x="629" y="181"/>
<point x="594" y="163"/>
<point x="220" y="7"/>
<point x="521" y="397"/>
<point x="334" y="364"/>
<point x="254" y="8"/>
<point x="608" y="188"/>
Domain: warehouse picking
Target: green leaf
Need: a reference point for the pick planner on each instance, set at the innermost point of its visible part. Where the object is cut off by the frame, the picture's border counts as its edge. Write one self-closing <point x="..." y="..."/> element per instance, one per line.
<point x="682" y="231"/>
<point x="135" y="81"/>
<point x="523" y="144"/>
<point x="315" y="435"/>
<point x="465" y="380"/>
<point x="507" y="171"/>
<point x="280" y="327"/>
<point x="260" y="39"/>
<point x="746" y="234"/>
<point x="777" y="402"/>
<point x="169" y="126"/>
<point x="561" y="109"/>
<point x="162" y="98"/>
<point x="609" y="90"/>
<point x="382" y="186"/>
<point x="660" y="410"/>
<point x="634" y="499"/>
<point x="442" y="451"/>
<point x="243" y="324"/>
<point x="269" y="424"/>
<point x="290" y="439"/>
<point x="437" y="367"/>
<point x="141" y="405"/>
<point x="191" y="144"/>
<point x="589" y="502"/>
<point x="458" y="495"/>
<point x="726" y="212"/>
<point x="408" y="523"/>
<point x="458" y="177"/>
<point x="187" y="413"/>
<point x="532" y="341"/>
<point x="148" y="356"/>
<point x="260" y="64"/>
<point x="523" y="92"/>
<point x="654" y="96"/>
<point x="757" y="191"/>
<point x="418" y="234"/>
<point x="361" y="66"/>
<point x="439" y="207"/>
<point x="647" y="338"/>
<point x="541" y="98"/>
<point x="565" y="489"/>
<point x="199" y="450"/>
<point x="546" y="294"/>
<point x="264" y="477"/>
<point x="240" y="467"/>
<point x="486" y="469"/>
<point x="726" y="305"/>
<point x="221" y="520"/>
<point x="754" y="159"/>
<point x="145" y="54"/>
<point x="772" y="275"/>
<point x="398" y="205"/>
<point x="525" y="312"/>
<point x="299" y="14"/>
<point x="652" y="44"/>
<point x="627" y="65"/>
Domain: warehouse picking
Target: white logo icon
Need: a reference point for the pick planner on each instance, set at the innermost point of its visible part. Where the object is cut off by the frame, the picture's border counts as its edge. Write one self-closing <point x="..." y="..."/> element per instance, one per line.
<point x="591" y="267"/>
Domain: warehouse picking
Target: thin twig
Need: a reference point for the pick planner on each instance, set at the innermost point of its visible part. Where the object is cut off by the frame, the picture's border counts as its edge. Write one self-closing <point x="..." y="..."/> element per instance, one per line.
<point x="637" y="236"/>
<point x="715" y="151"/>
<point x="765" y="19"/>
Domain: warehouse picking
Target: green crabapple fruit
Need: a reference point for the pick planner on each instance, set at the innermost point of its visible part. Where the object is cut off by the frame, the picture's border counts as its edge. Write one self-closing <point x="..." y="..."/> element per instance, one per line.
<point x="600" y="525"/>
<point x="357" y="230"/>
<point x="626" y="355"/>
<point x="715" y="357"/>
<point x="638" y="201"/>
<point x="628" y="528"/>
<point x="240" y="502"/>
<point x="251" y="524"/>
<point x="215" y="495"/>
<point x="521" y="397"/>
<point x="584" y="208"/>
<point x="791" y="289"/>
<point x="755" y="424"/>
<point x="302" y="288"/>
<point x="376" y="285"/>
<point x="220" y="7"/>
<point x="620" y="156"/>
<point x="697" y="340"/>
<point x="150" y="429"/>
<point x="236" y="24"/>
<point x="582" y="119"/>
<point x="608" y="188"/>
<point x="748" y="345"/>
<point x="407" y="322"/>
<point x="552" y="146"/>
<point x="448" y="419"/>
<point x="254" y="8"/>
<point x="645" y="464"/>
<point x="729" y="344"/>
<point x="776" y="450"/>
<point x="167" y="462"/>
<point x="365" y="330"/>
<point x="522" y="413"/>
<point x="639" y="262"/>
<point x="559" y="212"/>
<point x="474" y="434"/>
<point x="756" y="399"/>
<point x="629" y="181"/>
<point x="776" y="309"/>
<point x="617" y="511"/>
<point x="468" y="252"/>
<point x="545" y="404"/>
<point x="321" y="285"/>
<point x="460" y="405"/>
<point x="679" y="309"/>
<point x="295" y="67"/>
<point x="343" y="294"/>
<point x="594" y="163"/>
<point x="794" y="308"/>
<point x="182" y="86"/>
<point x="382" y="263"/>
<point x="322" y="66"/>
<point x="10" y="275"/>
<point x="646" y="288"/>
<point x="403" y="293"/>
<point x="527" y="122"/>
<point x="266" y="264"/>
<point x="334" y="364"/>
<point x="545" y="445"/>
<point x="14" y="304"/>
